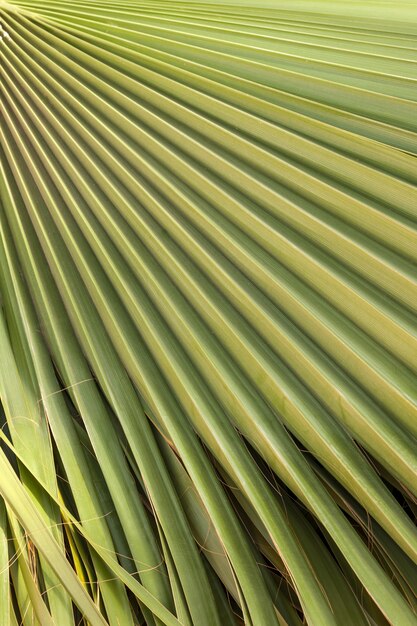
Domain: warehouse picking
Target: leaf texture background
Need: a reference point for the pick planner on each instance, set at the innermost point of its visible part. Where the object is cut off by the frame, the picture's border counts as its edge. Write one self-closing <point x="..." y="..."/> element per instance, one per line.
<point x="208" y="333"/>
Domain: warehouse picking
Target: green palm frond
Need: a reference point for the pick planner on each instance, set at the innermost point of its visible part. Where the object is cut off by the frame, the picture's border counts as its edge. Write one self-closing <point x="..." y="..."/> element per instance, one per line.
<point x="208" y="327"/>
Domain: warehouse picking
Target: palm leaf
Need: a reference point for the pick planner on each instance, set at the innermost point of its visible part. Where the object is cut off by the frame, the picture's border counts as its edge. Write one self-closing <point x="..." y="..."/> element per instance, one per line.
<point x="208" y="325"/>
